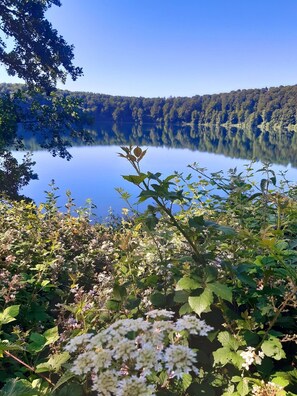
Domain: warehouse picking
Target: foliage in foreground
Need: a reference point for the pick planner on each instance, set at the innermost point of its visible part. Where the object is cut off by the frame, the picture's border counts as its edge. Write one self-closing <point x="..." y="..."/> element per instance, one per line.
<point x="218" y="250"/>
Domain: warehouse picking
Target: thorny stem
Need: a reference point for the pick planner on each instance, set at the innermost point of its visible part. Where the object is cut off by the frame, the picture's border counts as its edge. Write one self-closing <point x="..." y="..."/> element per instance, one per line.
<point x="9" y="354"/>
<point x="175" y="223"/>
<point x="278" y="312"/>
<point x="168" y="212"/>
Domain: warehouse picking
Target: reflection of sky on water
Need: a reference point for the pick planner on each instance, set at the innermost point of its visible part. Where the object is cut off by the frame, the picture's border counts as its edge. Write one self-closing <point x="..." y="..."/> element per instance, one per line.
<point x="95" y="172"/>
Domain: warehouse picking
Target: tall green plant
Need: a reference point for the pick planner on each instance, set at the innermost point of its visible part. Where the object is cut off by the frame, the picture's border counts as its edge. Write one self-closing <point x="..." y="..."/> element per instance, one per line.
<point x="241" y="273"/>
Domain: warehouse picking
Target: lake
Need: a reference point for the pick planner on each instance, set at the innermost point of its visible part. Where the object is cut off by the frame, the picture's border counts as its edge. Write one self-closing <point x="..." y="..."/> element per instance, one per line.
<point x="95" y="171"/>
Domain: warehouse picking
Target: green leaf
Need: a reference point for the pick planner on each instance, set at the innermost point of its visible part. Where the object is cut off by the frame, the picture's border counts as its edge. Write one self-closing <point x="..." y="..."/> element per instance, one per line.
<point x="225" y="356"/>
<point x="185" y="309"/>
<point x="151" y="221"/>
<point x="158" y="299"/>
<point x="229" y="341"/>
<point x="273" y="348"/>
<point x="252" y="339"/>
<point x="37" y="342"/>
<point x="119" y="293"/>
<point x="181" y="296"/>
<point x="12" y="311"/>
<point x="135" y="179"/>
<point x="6" y="346"/>
<point x="163" y="378"/>
<point x="151" y="280"/>
<point x="281" y="381"/>
<point x="37" y="312"/>
<point x="186" y="381"/>
<point x="113" y="305"/>
<point x="228" y="231"/>
<point x="221" y="291"/>
<point x="65" y="378"/>
<point x="187" y="283"/>
<point x="146" y="194"/>
<point x="246" y="279"/>
<point x="154" y="176"/>
<point x="18" y="387"/>
<point x="51" y="335"/>
<point x="243" y="387"/>
<point x="9" y="314"/>
<point x="201" y="303"/>
<point x="221" y="355"/>
<point x="210" y="274"/>
<point x="196" y="222"/>
<point x="54" y="363"/>
<point x="72" y="389"/>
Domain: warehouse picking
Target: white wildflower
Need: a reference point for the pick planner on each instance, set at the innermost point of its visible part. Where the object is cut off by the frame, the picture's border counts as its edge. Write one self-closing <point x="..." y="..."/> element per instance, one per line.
<point x="135" y="386"/>
<point x="160" y="313"/>
<point x="125" y="350"/>
<point x="105" y="383"/>
<point x="193" y="325"/>
<point x="124" y="326"/>
<point x="179" y="360"/>
<point x="250" y="356"/>
<point x="123" y="358"/>
<point x="77" y="341"/>
<point x="83" y="363"/>
<point x="125" y="211"/>
<point x="148" y="359"/>
<point x="159" y="329"/>
<point x="102" y="358"/>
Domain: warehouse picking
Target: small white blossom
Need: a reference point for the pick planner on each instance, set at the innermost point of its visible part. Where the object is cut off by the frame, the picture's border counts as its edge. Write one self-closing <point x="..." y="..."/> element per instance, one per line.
<point x="250" y="356"/>
<point x="160" y="313"/>
<point x="125" y="211"/>
<point x="135" y="386"/>
<point x="193" y="325"/>
<point x="125" y="350"/>
<point x="102" y="358"/>
<point x="179" y="360"/>
<point x="148" y="359"/>
<point x="77" y="341"/>
<point x="105" y="383"/>
<point x="84" y="363"/>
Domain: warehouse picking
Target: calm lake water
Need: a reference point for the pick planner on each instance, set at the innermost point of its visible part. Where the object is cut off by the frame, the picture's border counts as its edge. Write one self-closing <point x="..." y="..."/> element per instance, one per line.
<point x="95" y="171"/>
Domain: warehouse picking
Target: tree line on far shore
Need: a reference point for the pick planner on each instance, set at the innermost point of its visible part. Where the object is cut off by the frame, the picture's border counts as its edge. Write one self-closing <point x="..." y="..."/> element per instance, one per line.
<point x="268" y="108"/>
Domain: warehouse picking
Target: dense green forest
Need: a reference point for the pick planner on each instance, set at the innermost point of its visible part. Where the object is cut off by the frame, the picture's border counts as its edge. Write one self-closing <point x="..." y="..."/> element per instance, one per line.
<point x="268" y="108"/>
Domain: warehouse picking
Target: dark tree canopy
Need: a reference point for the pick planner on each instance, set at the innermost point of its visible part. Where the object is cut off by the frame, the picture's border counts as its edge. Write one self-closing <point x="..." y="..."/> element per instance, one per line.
<point x="32" y="49"/>
<point x="39" y="55"/>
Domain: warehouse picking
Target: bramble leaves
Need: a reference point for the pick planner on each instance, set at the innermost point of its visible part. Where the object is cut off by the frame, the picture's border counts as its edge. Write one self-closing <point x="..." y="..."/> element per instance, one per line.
<point x="9" y="314"/>
<point x="186" y="283"/>
<point x="273" y="348"/>
<point x="221" y="290"/>
<point x="201" y="303"/>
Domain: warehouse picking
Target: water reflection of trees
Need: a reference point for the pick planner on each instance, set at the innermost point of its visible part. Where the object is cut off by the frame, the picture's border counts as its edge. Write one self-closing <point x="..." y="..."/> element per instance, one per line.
<point x="276" y="147"/>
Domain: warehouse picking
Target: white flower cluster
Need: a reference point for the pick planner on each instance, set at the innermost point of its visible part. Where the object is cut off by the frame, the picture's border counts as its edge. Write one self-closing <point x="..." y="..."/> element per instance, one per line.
<point x="250" y="356"/>
<point x="122" y="358"/>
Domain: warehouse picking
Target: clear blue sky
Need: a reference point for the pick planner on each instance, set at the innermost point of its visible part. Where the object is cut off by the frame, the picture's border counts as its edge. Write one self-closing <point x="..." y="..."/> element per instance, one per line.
<point x="179" y="47"/>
